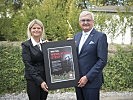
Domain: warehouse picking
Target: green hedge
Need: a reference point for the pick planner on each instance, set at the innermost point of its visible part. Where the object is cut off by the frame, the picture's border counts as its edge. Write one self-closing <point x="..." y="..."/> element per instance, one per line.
<point x="11" y="69"/>
<point x="118" y="72"/>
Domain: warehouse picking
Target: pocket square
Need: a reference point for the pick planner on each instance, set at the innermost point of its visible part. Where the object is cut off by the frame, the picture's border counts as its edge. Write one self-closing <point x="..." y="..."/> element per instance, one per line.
<point x="91" y="42"/>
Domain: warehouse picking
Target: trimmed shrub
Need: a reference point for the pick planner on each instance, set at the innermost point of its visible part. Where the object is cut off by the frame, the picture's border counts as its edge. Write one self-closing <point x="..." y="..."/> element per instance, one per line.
<point x="119" y="70"/>
<point x="11" y="69"/>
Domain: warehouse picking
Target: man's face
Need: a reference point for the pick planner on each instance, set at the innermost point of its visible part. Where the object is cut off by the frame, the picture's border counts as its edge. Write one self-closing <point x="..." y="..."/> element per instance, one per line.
<point x="86" y="23"/>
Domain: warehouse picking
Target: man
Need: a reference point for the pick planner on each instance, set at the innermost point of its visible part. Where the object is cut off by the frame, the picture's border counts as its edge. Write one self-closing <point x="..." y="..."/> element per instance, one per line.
<point x="92" y="49"/>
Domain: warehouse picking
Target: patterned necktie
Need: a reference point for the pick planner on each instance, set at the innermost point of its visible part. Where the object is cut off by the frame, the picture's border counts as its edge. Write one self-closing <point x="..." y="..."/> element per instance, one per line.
<point x="39" y="46"/>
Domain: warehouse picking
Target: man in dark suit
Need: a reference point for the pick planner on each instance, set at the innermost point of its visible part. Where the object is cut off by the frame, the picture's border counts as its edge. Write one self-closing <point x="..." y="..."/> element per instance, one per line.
<point x="92" y="50"/>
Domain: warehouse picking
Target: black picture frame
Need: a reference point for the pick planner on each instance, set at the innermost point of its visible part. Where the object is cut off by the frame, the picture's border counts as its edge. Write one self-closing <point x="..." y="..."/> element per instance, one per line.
<point x="61" y="64"/>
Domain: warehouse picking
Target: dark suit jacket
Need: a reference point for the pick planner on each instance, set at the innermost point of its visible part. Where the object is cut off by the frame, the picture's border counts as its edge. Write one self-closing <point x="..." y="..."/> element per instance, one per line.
<point x="93" y="57"/>
<point x="34" y="62"/>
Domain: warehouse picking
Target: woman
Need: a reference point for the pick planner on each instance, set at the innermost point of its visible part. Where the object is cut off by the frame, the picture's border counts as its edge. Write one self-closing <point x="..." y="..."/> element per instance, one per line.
<point x="32" y="56"/>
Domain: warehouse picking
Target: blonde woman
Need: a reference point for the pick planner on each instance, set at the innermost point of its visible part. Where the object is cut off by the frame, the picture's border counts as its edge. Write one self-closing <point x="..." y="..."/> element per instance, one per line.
<point x="32" y="56"/>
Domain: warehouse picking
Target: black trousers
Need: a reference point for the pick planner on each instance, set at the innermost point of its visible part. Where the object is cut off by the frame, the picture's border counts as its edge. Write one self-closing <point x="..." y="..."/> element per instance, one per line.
<point x="87" y="93"/>
<point x="35" y="92"/>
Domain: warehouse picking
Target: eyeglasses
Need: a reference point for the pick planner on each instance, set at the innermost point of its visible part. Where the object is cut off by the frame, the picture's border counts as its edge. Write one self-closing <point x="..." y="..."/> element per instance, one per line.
<point x="85" y="20"/>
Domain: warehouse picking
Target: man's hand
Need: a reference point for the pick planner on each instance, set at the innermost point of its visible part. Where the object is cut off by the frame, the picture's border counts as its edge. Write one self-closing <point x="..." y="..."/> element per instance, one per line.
<point x="83" y="80"/>
<point x="44" y="86"/>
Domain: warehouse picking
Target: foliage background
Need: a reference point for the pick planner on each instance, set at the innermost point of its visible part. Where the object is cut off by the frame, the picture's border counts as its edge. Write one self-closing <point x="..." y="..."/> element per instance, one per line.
<point x="55" y="14"/>
<point x="118" y="72"/>
<point x="60" y="18"/>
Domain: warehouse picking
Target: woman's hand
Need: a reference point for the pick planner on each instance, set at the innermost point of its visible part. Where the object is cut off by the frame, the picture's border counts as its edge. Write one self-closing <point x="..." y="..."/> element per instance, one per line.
<point x="44" y="86"/>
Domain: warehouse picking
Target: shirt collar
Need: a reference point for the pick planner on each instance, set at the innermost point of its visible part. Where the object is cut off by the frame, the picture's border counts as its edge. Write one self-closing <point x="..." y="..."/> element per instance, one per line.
<point x="34" y="42"/>
<point x="87" y="33"/>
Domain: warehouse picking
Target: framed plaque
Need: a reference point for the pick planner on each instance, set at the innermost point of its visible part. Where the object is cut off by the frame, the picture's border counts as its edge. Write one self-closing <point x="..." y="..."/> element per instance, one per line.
<point x="61" y="65"/>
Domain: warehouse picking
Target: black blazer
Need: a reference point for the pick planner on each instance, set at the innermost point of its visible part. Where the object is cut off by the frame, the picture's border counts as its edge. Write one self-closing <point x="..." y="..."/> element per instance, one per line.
<point x="34" y="62"/>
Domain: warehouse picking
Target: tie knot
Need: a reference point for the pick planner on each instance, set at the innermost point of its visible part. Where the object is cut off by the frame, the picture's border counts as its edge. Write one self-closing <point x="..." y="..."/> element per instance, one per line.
<point x="84" y="34"/>
<point x="39" y="46"/>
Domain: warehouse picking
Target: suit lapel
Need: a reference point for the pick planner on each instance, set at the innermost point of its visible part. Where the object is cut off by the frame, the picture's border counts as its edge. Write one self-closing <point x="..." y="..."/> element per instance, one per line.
<point x="87" y="40"/>
<point x="78" y="39"/>
<point x="34" y="47"/>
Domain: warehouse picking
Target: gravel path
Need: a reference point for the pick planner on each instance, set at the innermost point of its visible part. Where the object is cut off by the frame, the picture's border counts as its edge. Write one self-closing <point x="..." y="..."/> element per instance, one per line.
<point x="72" y="96"/>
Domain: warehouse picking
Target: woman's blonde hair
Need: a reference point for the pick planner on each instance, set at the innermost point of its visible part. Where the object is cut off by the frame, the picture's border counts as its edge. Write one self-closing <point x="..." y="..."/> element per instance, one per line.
<point x="35" y="21"/>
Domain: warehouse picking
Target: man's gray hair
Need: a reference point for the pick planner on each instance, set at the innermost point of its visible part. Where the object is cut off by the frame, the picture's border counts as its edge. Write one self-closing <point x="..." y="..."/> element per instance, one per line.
<point x="84" y="13"/>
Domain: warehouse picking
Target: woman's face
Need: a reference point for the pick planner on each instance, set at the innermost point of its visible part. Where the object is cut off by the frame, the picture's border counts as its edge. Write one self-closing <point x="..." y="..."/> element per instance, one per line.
<point x="36" y="30"/>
